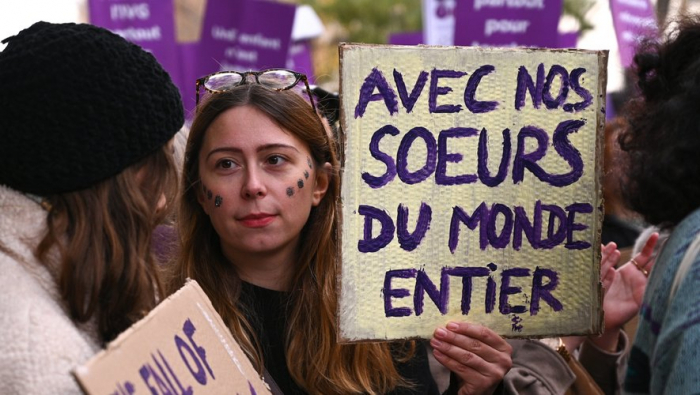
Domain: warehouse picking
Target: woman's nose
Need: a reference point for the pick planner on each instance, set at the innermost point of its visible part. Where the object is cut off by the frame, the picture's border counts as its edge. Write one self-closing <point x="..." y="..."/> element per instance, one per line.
<point x="253" y="185"/>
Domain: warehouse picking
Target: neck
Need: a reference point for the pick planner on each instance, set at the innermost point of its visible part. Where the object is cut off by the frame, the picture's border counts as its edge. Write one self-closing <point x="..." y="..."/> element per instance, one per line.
<point x="271" y="270"/>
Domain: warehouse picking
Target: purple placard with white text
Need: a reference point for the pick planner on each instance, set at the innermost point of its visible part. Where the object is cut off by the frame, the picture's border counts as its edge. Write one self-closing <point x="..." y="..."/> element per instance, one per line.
<point x="147" y="23"/>
<point x="300" y="60"/>
<point x="632" y="19"/>
<point x="235" y="36"/>
<point x="507" y="23"/>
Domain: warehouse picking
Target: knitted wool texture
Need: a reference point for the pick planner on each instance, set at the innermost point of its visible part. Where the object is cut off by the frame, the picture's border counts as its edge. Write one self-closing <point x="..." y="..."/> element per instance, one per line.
<point x="79" y="104"/>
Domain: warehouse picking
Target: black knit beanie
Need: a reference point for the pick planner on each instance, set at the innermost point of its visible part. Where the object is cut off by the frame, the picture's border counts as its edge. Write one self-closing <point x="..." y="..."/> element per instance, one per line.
<point x="79" y="104"/>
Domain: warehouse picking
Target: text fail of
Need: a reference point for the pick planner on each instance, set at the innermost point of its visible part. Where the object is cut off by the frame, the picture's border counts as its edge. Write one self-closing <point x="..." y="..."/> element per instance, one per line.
<point x="471" y="190"/>
<point x="181" y="347"/>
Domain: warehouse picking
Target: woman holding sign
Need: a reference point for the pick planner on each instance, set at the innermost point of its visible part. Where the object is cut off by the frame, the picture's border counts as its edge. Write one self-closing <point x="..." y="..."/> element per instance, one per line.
<point x="259" y="232"/>
<point x="86" y="172"/>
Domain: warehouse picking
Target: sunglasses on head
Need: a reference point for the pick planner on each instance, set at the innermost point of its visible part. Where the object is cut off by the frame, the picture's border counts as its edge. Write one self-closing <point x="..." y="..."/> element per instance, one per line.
<point x="275" y="79"/>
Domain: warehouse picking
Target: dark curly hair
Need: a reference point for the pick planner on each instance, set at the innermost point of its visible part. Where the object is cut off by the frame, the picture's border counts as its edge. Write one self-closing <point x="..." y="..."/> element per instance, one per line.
<point x="662" y="140"/>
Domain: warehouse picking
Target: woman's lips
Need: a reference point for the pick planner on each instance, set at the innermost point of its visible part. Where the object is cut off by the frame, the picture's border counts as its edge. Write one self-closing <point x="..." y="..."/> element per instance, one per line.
<point x="257" y="220"/>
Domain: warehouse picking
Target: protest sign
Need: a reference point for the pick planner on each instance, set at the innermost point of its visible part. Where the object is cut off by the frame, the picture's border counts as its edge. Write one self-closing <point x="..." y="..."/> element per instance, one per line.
<point x="471" y="190"/>
<point x="181" y="347"/>
<point x="147" y="23"/>
<point x="507" y="23"/>
<point x="633" y="19"/>
<point x="235" y="36"/>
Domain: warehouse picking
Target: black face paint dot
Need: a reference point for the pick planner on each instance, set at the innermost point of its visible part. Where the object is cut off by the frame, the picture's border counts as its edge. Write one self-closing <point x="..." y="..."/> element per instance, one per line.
<point x="306" y="174"/>
<point x="308" y="160"/>
<point x="209" y="195"/>
<point x="218" y="200"/>
<point x="290" y="191"/>
<point x="300" y="183"/>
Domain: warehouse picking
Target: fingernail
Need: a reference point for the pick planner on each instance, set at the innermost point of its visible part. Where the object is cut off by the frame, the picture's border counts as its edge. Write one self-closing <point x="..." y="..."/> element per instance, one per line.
<point x="452" y="326"/>
<point x="440" y="332"/>
<point x="436" y="343"/>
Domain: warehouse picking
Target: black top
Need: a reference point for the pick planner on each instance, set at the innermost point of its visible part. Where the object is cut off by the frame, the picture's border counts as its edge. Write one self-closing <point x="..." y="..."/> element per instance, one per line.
<point x="270" y="323"/>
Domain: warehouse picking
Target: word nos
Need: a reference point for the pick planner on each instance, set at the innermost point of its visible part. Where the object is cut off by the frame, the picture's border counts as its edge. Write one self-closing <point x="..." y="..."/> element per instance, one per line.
<point x="544" y="282"/>
<point x="530" y="4"/>
<point x="540" y="90"/>
<point x="158" y="375"/>
<point x="561" y="225"/>
<point x="129" y="12"/>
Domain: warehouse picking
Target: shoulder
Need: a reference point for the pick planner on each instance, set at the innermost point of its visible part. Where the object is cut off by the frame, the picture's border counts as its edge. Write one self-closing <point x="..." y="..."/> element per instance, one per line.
<point x="39" y="344"/>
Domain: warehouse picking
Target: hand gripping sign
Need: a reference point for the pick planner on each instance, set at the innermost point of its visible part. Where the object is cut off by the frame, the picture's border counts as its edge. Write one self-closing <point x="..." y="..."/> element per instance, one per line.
<point x="471" y="190"/>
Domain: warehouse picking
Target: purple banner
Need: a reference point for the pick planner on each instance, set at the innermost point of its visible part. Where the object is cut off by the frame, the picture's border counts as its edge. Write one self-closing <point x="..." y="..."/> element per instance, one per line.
<point x="568" y="40"/>
<point x="406" y="38"/>
<point x="245" y="35"/>
<point x="632" y="19"/>
<point x="531" y="23"/>
<point x="148" y="23"/>
<point x="299" y="59"/>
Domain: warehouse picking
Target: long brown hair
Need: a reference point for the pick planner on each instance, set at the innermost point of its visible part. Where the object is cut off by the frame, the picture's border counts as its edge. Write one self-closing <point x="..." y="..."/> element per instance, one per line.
<point x="103" y="238"/>
<point x="316" y="361"/>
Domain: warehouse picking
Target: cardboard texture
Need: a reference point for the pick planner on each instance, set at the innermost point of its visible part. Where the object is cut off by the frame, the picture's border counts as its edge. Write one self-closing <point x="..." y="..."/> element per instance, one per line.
<point x="471" y="190"/>
<point x="181" y="347"/>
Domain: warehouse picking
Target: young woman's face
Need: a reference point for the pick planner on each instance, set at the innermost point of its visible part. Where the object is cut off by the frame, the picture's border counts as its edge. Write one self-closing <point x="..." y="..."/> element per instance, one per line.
<point x="258" y="184"/>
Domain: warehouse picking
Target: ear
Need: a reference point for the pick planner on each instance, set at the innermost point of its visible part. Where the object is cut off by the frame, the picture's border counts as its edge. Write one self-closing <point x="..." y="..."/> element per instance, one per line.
<point x="323" y="178"/>
<point x="200" y="197"/>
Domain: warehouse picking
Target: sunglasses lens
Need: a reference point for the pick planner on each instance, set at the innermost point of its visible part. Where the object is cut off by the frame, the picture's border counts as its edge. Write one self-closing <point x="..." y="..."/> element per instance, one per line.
<point x="277" y="79"/>
<point x="222" y="81"/>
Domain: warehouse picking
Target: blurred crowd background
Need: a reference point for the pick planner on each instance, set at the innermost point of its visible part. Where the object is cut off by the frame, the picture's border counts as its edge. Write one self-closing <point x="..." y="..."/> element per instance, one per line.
<point x="364" y="21"/>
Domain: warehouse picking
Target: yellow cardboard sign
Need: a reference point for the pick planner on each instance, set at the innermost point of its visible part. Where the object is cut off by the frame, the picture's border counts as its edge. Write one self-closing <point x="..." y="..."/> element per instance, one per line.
<point x="181" y="347"/>
<point x="471" y="190"/>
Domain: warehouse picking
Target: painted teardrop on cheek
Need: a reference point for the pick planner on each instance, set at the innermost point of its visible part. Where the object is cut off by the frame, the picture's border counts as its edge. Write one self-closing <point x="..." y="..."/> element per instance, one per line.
<point x="300" y="183"/>
<point x="290" y="191"/>
<point x="218" y="200"/>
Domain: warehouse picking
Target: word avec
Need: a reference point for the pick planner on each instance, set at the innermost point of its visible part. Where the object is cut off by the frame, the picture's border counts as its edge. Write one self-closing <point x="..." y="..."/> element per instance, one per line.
<point x="540" y="90"/>
<point x="541" y="290"/>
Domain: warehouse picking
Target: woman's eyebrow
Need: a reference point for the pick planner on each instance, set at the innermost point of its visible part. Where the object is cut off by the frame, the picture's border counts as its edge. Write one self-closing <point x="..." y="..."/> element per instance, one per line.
<point x="266" y="147"/>
<point x="224" y="149"/>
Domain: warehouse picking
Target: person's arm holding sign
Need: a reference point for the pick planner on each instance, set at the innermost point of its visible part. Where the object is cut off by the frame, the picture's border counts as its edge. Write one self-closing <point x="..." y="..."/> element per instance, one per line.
<point x="474" y="353"/>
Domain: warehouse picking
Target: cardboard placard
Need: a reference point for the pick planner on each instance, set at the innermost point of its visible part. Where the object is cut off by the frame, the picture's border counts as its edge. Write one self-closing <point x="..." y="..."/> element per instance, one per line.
<point x="181" y="347"/>
<point x="471" y="190"/>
